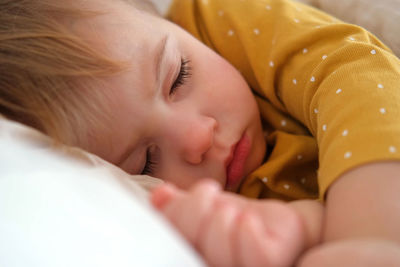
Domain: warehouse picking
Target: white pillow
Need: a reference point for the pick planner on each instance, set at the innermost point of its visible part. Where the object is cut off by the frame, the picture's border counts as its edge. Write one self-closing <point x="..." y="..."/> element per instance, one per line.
<point x="64" y="207"/>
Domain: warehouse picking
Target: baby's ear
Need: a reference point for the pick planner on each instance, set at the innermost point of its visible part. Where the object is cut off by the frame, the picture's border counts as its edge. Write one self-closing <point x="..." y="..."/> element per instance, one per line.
<point x="162" y="195"/>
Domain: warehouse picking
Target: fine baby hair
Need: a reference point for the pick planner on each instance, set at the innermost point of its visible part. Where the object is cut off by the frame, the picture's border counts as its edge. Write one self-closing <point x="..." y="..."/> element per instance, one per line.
<point x="45" y="66"/>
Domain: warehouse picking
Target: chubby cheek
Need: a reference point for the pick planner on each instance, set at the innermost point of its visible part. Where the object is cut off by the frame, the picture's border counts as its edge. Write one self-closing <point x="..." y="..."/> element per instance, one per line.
<point x="259" y="151"/>
<point x="240" y="101"/>
<point x="213" y="72"/>
<point x="235" y="93"/>
<point x="174" y="175"/>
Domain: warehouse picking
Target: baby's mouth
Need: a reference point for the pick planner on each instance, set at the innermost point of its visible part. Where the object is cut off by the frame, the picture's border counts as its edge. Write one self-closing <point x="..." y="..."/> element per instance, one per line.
<point x="236" y="162"/>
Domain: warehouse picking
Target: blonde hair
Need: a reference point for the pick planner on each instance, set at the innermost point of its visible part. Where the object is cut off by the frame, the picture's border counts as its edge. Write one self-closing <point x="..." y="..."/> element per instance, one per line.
<point x="43" y="64"/>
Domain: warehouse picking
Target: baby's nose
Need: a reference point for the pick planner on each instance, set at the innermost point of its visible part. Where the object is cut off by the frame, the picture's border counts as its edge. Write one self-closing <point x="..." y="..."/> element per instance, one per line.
<point x="198" y="139"/>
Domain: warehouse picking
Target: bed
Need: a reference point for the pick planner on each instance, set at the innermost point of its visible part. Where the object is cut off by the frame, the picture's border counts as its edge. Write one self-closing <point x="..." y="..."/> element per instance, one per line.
<point x="65" y="207"/>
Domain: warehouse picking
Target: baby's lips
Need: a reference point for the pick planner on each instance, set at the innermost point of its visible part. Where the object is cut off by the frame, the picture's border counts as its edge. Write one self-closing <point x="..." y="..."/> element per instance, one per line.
<point x="162" y="195"/>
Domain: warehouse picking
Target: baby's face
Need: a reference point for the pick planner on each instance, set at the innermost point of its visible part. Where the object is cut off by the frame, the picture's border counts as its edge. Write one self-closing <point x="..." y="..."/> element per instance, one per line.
<point x="180" y="112"/>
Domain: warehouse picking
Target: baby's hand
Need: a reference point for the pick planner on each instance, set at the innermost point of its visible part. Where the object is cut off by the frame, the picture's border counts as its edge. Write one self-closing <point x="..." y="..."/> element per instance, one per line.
<point x="230" y="230"/>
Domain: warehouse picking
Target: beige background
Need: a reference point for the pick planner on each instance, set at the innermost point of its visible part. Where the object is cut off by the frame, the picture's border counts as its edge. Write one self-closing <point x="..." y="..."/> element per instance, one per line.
<point x="162" y="5"/>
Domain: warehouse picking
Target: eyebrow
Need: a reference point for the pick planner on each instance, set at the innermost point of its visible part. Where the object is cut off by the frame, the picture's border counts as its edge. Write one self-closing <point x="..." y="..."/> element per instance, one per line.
<point x="159" y="55"/>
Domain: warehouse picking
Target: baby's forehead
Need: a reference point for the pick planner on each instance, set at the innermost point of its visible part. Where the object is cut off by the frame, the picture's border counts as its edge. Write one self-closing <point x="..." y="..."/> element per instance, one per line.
<point x="108" y="23"/>
<point x="114" y="14"/>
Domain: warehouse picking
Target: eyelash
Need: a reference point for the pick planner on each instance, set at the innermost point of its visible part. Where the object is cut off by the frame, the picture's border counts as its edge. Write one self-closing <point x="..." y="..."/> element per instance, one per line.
<point x="184" y="74"/>
<point x="151" y="163"/>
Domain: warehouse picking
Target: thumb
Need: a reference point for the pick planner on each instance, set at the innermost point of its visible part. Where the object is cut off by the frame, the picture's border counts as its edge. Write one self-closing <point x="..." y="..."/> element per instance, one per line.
<point x="162" y="195"/>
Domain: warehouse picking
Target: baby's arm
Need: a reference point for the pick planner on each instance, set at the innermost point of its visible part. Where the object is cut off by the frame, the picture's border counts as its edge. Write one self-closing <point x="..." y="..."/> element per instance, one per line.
<point x="362" y="218"/>
<point x="229" y="230"/>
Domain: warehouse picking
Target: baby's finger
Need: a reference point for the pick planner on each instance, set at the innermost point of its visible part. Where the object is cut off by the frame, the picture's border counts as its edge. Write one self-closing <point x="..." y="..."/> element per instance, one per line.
<point x="187" y="210"/>
<point x="193" y="209"/>
<point x="216" y="241"/>
<point x="162" y="195"/>
<point x="257" y="246"/>
<point x="267" y="244"/>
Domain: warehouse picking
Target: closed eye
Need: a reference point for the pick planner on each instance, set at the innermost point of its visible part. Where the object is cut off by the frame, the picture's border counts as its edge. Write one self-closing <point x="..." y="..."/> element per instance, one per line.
<point x="183" y="75"/>
<point x="151" y="161"/>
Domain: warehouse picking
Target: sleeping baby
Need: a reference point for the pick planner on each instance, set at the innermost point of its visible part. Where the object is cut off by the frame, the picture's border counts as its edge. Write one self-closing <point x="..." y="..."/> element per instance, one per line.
<point x="275" y="126"/>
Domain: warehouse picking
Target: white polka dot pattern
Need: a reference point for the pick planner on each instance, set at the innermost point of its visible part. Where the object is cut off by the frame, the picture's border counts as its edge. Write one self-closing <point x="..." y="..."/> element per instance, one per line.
<point x="271" y="64"/>
<point x="323" y="84"/>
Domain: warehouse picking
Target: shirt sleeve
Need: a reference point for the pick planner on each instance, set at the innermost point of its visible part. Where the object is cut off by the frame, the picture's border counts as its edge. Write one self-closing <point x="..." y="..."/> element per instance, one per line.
<point x="336" y="79"/>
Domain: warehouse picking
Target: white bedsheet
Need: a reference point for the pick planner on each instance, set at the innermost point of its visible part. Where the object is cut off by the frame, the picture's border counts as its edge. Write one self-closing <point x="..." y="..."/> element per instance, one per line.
<point x="62" y="209"/>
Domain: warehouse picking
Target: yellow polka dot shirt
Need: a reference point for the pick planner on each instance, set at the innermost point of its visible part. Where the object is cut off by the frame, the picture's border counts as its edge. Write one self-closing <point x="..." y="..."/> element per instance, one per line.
<point x="328" y="91"/>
